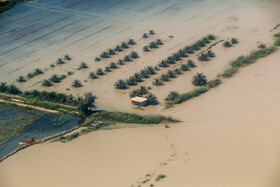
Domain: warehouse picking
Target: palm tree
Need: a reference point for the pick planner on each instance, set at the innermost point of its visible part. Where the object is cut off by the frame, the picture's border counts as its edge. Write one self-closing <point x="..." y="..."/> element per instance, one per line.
<point x="107" y="69"/>
<point x="211" y="37"/>
<point x="143" y="90"/>
<point x="67" y="57"/>
<point x="182" y="53"/>
<point x="97" y="59"/>
<point x="124" y="45"/>
<point x="176" y="56"/>
<point x="134" y="54"/>
<point x="126" y="58"/>
<point x="171" y="60"/>
<point x="111" y="52"/>
<point x="121" y="84"/>
<point x="138" y="77"/>
<point x="196" y="46"/>
<point x="21" y="79"/>
<point x="113" y="65"/>
<point x="3" y="87"/>
<point x="191" y="64"/>
<point x="151" y="32"/>
<point x="201" y="43"/>
<point x="234" y="41"/>
<point x="131" y="81"/>
<point x="159" y="41"/>
<point x="188" y="50"/>
<point x="205" y="40"/>
<point x="157" y="82"/>
<point x="145" y="35"/>
<point x="46" y="83"/>
<point x="184" y="67"/>
<point x="177" y="71"/>
<point x="92" y="75"/>
<point x="146" y="48"/>
<point x="52" y="65"/>
<point x="134" y="93"/>
<point x="163" y="64"/>
<point x="199" y="80"/>
<point x="12" y="89"/>
<point x="121" y="62"/>
<point x="100" y="72"/>
<point x="104" y="55"/>
<point x="83" y="65"/>
<point x="55" y="79"/>
<point x="77" y="83"/>
<point x="170" y="74"/>
<point x="38" y="71"/>
<point x="262" y="46"/>
<point x="203" y="57"/>
<point x="153" y="45"/>
<point x="30" y="75"/>
<point x="150" y="70"/>
<point x="151" y="99"/>
<point x="144" y="73"/>
<point x="60" y="61"/>
<point x="118" y="48"/>
<point x="227" y="44"/>
<point x="211" y="54"/>
<point x="131" y="42"/>
<point x="70" y="73"/>
<point x="172" y="96"/>
<point x="164" y="77"/>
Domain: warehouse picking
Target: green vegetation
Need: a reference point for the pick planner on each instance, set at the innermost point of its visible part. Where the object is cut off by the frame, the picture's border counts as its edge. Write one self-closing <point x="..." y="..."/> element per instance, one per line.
<point x="100" y="72"/>
<point x="242" y="61"/>
<point x="86" y="103"/>
<point x="189" y="95"/>
<point x="60" y="61"/>
<point x="13" y="121"/>
<point x="152" y="45"/>
<point x="213" y="83"/>
<point x="59" y="121"/>
<point x="151" y="32"/>
<point x="277" y="41"/>
<point x="57" y="79"/>
<point x="131" y="118"/>
<point x="131" y="42"/>
<point x="92" y="75"/>
<point x="145" y="35"/>
<point x="151" y="99"/>
<point x="227" y="44"/>
<point x="6" y="5"/>
<point x="234" y="41"/>
<point x="143" y="90"/>
<point x="67" y="57"/>
<point x="160" y="176"/>
<point x="262" y="46"/>
<point x="199" y="80"/>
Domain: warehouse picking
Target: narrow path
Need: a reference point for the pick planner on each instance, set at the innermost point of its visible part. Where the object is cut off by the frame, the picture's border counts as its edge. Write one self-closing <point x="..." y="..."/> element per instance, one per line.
<point x="30" y="106"/>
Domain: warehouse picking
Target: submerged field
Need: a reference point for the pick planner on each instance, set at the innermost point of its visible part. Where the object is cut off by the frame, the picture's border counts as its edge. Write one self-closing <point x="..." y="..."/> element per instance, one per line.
<point x="228" y="135"/>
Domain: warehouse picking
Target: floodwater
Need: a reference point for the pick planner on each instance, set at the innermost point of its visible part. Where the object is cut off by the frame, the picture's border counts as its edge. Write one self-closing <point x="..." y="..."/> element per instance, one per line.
<point x="229" y="136"/>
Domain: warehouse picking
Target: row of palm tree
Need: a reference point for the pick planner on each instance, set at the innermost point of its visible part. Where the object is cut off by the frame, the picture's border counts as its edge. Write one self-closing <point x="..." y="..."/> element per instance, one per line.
<point x="64" y="60"/>
<point x="10" y="89"/>
<point x="42" y="95"/>
<point x="136" y="78"/>
<point x="230" y="43"/>
<point x="206" y="55"/>
<point x="35" y="72"/>
<point x="172" y="59"/>
<point x="118" y="48"/>
<point x="153" y="45"/>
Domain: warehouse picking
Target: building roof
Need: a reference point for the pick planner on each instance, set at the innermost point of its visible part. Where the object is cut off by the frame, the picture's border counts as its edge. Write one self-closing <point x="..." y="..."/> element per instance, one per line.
<point x="139" y="99"/>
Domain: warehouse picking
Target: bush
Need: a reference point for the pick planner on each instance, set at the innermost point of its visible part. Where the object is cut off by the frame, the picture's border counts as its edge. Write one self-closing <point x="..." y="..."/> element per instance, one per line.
<point x="159" y="177"/>
<point x="199" y="80"/>
<point x="131" y="118"/>
<point x="189" y="95"/>
<point x="172" y="96"/>
<point x="213" y="83"/>
<point x="228" y="72"/>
